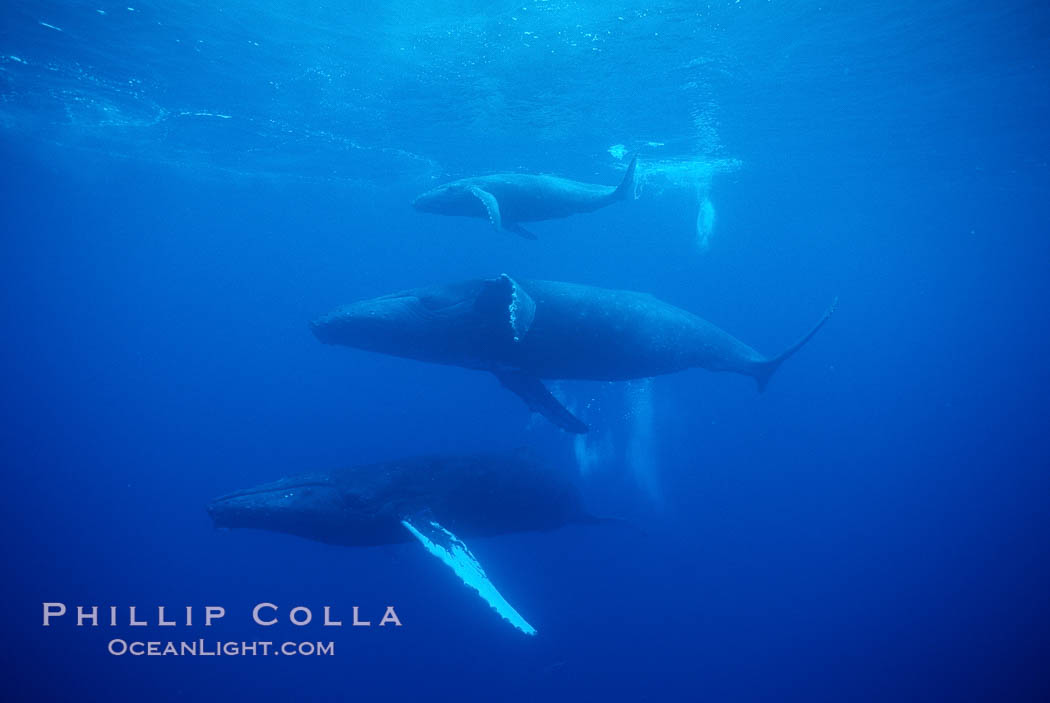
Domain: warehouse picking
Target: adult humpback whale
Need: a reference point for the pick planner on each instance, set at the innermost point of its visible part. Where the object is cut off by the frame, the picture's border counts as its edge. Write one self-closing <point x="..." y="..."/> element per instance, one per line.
<point x="524" y="331"/>
<point x="423" y="498"/>
<point x="508" y="199"/>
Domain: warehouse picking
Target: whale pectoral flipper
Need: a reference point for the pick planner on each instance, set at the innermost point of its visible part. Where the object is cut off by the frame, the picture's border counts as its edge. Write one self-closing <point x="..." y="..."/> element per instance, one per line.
<point x="507" y="305"/>
<point x="491" y="206"/>
<point x="520" y="231"/>
<point x="539" y="399"/>
<point x="451" y="550"/>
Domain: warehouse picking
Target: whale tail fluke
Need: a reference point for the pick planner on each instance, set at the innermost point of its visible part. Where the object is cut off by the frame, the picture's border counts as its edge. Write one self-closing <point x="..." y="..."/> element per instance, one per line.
<point x="764" y="369"/>
<point x="625" y="191"/>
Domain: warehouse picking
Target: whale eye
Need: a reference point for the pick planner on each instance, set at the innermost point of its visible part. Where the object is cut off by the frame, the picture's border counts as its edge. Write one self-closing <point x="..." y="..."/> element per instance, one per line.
<point x="350" y="500"/>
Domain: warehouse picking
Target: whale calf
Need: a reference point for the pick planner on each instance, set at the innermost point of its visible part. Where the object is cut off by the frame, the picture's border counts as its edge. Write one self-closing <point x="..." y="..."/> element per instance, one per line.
<point x="430" y="499"/>
<point x="508" y="199"/>
<point x="527" y="330"/>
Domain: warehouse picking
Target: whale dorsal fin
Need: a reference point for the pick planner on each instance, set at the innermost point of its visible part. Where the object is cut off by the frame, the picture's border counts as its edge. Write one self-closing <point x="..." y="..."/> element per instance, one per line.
<point x="504" y="301"/>
<point x="491" y="206"/>
<point x="539" y="399"/>
<point x="451" y="550"/>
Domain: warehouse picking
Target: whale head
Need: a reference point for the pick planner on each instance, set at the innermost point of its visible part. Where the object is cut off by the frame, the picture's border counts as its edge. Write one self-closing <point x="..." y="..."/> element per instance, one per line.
<point x="314" y="506"/>
<point x="439" y="324"/>
<point x="451" y="198"/>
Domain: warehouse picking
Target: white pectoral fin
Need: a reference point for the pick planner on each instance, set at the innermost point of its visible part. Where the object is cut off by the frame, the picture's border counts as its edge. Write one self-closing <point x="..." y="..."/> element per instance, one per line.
<point x="506" y="307"/>
<point x="491" y="206"/>
<point x="451" y="550"/>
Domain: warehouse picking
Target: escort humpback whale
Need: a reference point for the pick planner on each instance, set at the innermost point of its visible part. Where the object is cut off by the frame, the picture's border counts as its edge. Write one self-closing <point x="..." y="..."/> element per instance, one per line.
<point x="431" y="499"/>
<point x="525" y="330"/>
<point x="508" y="199"/>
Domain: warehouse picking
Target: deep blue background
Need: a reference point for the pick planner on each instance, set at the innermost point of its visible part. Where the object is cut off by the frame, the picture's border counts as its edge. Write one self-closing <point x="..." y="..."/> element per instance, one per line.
<point x="185" y="186"/>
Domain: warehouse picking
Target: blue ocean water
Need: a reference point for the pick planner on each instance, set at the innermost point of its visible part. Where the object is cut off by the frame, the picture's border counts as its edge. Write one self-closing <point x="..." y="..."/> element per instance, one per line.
<point x="186" y="184"/>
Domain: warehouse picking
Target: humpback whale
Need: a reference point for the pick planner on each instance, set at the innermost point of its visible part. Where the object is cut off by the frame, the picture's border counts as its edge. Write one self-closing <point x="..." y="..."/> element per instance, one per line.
<point x="508" y="199"/>
<point x="527" y="330"/>
<point x="429" y="499"/>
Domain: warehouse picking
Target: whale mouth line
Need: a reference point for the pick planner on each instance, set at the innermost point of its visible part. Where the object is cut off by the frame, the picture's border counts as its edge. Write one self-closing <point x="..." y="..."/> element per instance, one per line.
<point x="263" y="490"/>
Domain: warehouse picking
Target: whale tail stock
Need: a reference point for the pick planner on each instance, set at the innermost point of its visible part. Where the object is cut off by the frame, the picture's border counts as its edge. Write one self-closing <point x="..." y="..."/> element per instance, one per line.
<point x="762" y="370"/>
<point x="625" y="191"/>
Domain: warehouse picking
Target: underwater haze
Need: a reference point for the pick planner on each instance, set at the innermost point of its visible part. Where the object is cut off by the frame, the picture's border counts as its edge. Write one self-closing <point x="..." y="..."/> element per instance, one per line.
<point x="187" y="184"/>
